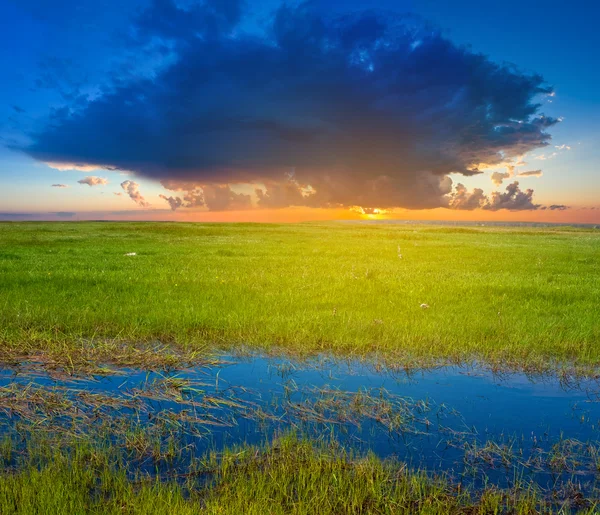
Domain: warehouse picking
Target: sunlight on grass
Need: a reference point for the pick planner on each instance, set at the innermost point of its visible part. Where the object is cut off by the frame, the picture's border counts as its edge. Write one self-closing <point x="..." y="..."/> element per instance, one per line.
<point x="524" y="296"/>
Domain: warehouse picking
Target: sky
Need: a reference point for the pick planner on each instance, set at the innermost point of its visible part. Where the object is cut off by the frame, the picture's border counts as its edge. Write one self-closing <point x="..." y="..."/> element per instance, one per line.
<point x="271" y="111"/>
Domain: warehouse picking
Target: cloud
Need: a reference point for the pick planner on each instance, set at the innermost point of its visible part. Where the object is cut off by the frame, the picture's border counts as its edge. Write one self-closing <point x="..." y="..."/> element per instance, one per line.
<point x="17" y="109"/>
<point x="81" y="167"/>
<point x="544" y="157"/>
<point x="281" y="194"/>
<point x="368" y="109"/>
<point x="174" y="202"/>
<point x="60" y="186"/>
<point x="118" y="194"/>
<point x="193" y="195"/>
<point x="214" y="197"/>
<point x="222" y="198"/>
<point x="462" y="198"/>
<point x="558" y="207"/>
<point x="499" y="177"/>
<point x="168" y="21"/>
<point x="513" y="199"/>
<point x="65" y="214"/>
<point x="132" y="189"/>
<point x="58" y="73"/>
<point x="530" y="173"/>
<point x="92" y="180"/>
<point x="369" y="211"/>
<point x="16" y="216"/>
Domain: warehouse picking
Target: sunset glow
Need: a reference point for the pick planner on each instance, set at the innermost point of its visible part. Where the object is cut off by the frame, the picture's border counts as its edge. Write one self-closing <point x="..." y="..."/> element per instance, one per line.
<point x="253" y="122"/>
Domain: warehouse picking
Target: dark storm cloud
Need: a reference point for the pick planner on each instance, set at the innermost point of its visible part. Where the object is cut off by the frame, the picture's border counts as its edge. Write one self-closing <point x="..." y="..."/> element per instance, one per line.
<point x="222" y="198"/>
<point x="63" y="76"/>
<point x="168" y="21"/>
<point x="214" y="196"/>
<point x="366" y="110"/>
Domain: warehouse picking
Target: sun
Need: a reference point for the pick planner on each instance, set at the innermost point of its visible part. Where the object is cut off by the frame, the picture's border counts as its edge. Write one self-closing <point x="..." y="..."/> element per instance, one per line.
<point x="369" y="212"/>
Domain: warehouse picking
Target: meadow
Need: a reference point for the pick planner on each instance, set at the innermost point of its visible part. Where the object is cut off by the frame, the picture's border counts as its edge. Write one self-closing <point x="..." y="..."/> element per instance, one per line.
<point x="409" y="294"/>
<point x="113" y="337"/>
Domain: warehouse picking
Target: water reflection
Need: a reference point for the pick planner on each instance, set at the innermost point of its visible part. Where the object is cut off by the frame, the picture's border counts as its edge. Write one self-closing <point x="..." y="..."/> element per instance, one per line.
<point x="468" y="422"/>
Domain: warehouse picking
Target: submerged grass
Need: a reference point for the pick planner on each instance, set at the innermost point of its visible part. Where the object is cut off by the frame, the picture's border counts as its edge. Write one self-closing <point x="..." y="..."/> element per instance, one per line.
<point x="146" y="449"/>
<point x="161" y="424"/>
<point x="522" y="297"/>
<point x="290" y="475"/>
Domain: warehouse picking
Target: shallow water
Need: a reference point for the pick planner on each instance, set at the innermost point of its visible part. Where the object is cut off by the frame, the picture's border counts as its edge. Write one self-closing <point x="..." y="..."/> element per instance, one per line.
<point x="467" y="422"/>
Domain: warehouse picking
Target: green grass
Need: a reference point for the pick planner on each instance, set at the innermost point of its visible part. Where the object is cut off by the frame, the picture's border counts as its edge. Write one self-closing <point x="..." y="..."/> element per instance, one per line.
<point x="524" y="297"/>
<point x="69" y="296"/>
<point x="290" y="476"/>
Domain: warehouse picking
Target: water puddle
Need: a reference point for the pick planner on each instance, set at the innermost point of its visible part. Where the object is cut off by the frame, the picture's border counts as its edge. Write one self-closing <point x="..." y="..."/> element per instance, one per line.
<point x="467" y="422"/>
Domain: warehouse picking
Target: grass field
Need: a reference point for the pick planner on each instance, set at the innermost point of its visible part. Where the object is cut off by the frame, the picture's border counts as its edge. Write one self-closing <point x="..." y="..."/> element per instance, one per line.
<point x="76" y="296"/>
<point x="528" y="297"/>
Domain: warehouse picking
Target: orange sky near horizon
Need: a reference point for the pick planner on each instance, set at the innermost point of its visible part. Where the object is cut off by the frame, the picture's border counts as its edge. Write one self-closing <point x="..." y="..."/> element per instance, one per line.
<point x="300" y="214"/>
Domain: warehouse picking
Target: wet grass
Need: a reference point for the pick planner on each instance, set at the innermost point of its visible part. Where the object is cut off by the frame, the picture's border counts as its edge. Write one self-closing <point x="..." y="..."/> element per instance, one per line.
<point x="523" y="298"/>
<point x="290" y="475"/>
<point x="68" y="447"/>
<point x="171" y="406"/>
<point x="160" y="428"/>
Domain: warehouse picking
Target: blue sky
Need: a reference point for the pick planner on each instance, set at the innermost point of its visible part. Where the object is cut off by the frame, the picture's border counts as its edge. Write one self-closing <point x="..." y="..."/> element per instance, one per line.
<point x="201" y="105"/>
